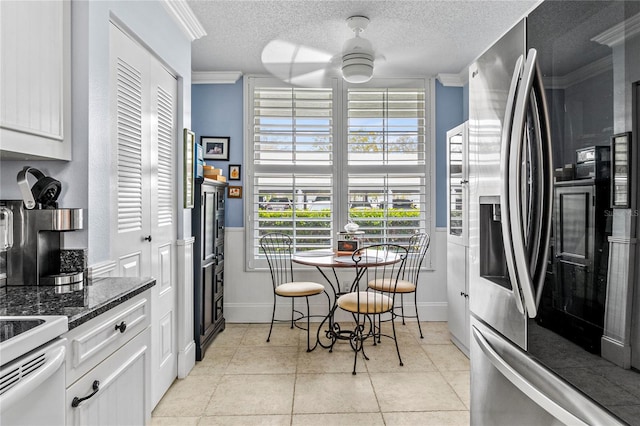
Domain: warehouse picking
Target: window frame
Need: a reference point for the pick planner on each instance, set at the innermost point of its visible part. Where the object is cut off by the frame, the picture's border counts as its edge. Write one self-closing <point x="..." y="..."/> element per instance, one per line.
<point x="339" y="167"/>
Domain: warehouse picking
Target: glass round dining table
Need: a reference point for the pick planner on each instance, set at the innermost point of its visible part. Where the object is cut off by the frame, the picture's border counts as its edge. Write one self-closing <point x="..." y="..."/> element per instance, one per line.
<point x="327" y="262"/>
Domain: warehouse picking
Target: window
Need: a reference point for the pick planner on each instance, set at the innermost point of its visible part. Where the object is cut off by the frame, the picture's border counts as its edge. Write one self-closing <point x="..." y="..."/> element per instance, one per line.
<point x="306" y="182"/>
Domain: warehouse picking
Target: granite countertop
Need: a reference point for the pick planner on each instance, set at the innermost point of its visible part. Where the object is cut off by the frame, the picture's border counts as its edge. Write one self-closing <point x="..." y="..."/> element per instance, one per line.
<point x="96" y="297"/>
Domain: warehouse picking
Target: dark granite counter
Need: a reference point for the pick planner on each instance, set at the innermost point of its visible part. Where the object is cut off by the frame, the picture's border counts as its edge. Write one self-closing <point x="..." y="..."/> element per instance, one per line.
<point x="96" y="297"/>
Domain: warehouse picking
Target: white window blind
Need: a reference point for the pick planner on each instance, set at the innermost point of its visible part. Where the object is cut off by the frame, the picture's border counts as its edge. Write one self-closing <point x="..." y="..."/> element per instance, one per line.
<point x="322" y="156"/>
<point x="292" y="180"/>
<point x="386" y="158"/>
<point x="386" y="126"/>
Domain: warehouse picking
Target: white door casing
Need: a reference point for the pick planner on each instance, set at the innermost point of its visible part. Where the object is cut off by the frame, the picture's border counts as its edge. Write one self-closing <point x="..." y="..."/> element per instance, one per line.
<point x="143" y="198"/>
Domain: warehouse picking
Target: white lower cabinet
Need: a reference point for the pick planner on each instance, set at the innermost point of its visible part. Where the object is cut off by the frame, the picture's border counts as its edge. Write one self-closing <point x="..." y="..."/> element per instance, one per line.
<point x="458" y="296"/>
<point x="108" y="368"/>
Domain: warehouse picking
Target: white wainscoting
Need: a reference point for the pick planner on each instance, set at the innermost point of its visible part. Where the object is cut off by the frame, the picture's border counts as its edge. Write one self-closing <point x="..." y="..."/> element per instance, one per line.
<point x="248" y="297"/>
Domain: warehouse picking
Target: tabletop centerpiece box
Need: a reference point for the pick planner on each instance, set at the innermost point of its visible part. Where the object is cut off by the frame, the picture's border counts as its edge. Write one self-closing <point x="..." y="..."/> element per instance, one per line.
<point x="348" y="242"/>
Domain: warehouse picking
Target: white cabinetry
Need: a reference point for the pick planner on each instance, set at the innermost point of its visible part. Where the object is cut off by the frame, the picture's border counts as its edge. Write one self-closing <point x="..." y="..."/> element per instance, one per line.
<point x="457" y="236"/>
<point x="143" y="112"/>
<point x="35" y="80"/>
<point x="108" y="367"/>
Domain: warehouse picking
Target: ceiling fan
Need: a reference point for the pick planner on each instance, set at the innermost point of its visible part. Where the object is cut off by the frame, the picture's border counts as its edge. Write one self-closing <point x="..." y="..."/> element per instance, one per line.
<point x="302" y="65"/>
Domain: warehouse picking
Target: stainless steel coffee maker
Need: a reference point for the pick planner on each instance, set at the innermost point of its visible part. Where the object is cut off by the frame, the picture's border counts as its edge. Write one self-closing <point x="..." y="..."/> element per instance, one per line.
<point x="32" y="229"/>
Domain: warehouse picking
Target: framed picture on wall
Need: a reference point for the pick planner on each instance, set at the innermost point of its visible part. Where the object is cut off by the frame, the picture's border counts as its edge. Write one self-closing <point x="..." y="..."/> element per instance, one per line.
<point x="234" y="192"/>
<point x="189" y="168"/>
<point x="234" y="172"/>
<point x="621" y="168"/>
<point x="215" y="147"/>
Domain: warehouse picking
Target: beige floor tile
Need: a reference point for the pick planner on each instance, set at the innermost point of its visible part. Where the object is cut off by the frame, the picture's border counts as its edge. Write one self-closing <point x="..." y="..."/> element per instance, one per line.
<point x="261" y="420"/>
<point x="252" y="395"/>
<point x="215" y="361"/>
<point x="342" y="419"/>
<point x="383" y="358"/>
<point x="187" y="397"/>
<point x="282" y="335"/>
<point x="323" y="361"/>
<point x="435" y="333"/>
<point x="264" y="360"/>
<point x="461" y="384"/>
<point x="447" y="357"/>
<point x="431" y="418"/>
<point x="414" y="391"/>
<point x="334" y="393"/>
<point x="174" y="421"/>
<point x="231" y="336"/>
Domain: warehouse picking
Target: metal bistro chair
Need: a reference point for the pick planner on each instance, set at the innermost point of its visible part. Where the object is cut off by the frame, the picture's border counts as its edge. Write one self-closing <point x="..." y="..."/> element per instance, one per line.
<point x="408" y="282"/>
<point x="374" y="262"/>
<point x="278" y="248"/>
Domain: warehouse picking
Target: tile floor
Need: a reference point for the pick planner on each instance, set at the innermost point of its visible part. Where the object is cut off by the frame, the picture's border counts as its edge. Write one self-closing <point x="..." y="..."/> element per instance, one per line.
<point x="244" y="380"/>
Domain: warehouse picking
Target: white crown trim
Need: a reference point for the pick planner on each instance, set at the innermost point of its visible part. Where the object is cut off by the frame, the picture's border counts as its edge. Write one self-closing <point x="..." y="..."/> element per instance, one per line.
<point x="215" y="77"/>
<point x="455" y="80"/>
<point x="579" y="75"/>
<point x="619" y="33"/>
<point x="184" y="16"/>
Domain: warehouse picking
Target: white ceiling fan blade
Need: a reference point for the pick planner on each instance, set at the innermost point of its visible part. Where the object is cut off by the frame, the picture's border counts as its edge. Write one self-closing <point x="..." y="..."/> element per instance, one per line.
<point x="297" y="64"/>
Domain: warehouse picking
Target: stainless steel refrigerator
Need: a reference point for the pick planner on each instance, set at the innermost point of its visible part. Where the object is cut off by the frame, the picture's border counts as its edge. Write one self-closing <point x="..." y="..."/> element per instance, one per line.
<point x="554" y="293"/>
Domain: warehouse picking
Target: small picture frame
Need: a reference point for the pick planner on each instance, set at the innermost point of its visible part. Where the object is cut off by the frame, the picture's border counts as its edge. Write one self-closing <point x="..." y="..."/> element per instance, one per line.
<point x="189" y="168"/>
<point x="234" y="192"/>
<point x="621" y="171"/>
<point x="215" y="147"/>
<point x="234" y="172"/>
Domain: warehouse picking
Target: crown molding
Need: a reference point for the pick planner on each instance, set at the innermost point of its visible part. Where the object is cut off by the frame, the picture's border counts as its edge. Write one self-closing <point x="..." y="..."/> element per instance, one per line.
<point x="455" y="80"/>
<point x="184" y="16"/>
<point x="579" y="75"/>
<point x="215" y="77"/>
<point x="617" y="34"/>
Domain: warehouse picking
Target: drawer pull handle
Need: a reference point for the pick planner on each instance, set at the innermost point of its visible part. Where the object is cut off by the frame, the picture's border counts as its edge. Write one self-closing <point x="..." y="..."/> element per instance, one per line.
<point x="122" y="326"/>
<point x="76" y="401"/>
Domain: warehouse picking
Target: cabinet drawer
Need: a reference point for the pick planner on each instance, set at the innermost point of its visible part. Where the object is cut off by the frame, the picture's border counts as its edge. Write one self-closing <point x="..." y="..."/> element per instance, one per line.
<point x="116" y="391"/>
<point x="98" y="338"/>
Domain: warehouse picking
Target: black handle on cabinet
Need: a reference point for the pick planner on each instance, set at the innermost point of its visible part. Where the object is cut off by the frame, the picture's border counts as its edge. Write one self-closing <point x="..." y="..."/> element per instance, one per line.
<point x="76" y="401"/>
<point x="148" y="238"/>
<point x="122" y="326"/>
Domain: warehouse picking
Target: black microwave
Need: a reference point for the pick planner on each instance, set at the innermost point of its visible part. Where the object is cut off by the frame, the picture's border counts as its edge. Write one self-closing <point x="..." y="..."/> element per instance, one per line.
<point x="593" y="162"/>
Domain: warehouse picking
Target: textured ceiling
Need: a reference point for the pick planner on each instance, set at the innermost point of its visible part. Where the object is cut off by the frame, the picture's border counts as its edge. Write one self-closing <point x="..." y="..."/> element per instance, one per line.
<point x="298" y="37"/>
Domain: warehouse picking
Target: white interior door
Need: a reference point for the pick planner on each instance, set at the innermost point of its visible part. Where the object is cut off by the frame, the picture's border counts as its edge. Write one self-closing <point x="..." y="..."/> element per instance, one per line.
<point x="144" y="111"/>
<point x="164" y="89"/>
<point x="130" y="165"/>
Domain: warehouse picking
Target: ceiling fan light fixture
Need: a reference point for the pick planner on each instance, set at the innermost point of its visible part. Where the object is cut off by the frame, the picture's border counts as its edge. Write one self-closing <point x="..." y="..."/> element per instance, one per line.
<point x="357" y="56"/>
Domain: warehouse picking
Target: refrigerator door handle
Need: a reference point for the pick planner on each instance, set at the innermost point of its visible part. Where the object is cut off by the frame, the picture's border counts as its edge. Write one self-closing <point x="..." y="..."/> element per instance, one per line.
<point x="539" y="384"/>
<point x="515" y="177"/>
<point x="508" y="191"/>
<point x="545" y="216"/>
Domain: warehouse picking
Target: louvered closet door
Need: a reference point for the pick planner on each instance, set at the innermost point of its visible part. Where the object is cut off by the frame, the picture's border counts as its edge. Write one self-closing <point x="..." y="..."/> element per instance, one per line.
<point x="144" y="140"/>
<point x="130" y="160"/>
<point x="163" y="229"/>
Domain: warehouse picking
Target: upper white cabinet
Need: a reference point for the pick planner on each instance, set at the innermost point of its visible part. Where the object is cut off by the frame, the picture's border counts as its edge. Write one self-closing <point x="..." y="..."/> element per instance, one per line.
<point x="35" y="80"/>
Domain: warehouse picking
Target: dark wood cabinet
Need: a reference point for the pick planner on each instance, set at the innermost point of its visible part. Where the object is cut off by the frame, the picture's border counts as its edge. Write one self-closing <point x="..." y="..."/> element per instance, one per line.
<point x="208" y="274"/>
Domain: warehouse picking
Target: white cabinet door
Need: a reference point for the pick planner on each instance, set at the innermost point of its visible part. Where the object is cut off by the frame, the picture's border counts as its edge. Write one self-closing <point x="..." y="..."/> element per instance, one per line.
<point x="130" y="161"/>
<point x="116" y="391"/>
<point x="457" y="184"/>
<point x="163" y="229"/>
<point x="458" y="295"/>
<point x="35" y="80"/>
<point x="144" y="111"/>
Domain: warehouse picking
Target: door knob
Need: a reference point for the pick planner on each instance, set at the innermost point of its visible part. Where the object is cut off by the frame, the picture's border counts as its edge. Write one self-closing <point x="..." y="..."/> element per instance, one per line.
<point x="148" y="238"/>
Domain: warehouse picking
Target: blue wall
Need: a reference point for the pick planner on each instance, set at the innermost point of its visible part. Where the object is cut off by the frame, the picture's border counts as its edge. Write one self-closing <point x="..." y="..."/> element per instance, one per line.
<point x="216" y="110"/>
<point x="450" y="112"/>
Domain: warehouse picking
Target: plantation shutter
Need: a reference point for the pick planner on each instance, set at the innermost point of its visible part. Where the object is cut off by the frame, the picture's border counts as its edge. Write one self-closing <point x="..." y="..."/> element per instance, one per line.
<point x="292" y="131"/>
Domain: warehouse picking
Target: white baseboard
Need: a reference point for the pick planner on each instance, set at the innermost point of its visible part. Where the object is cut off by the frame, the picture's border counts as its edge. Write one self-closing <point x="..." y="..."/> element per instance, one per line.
<point x="186" y="360"/>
